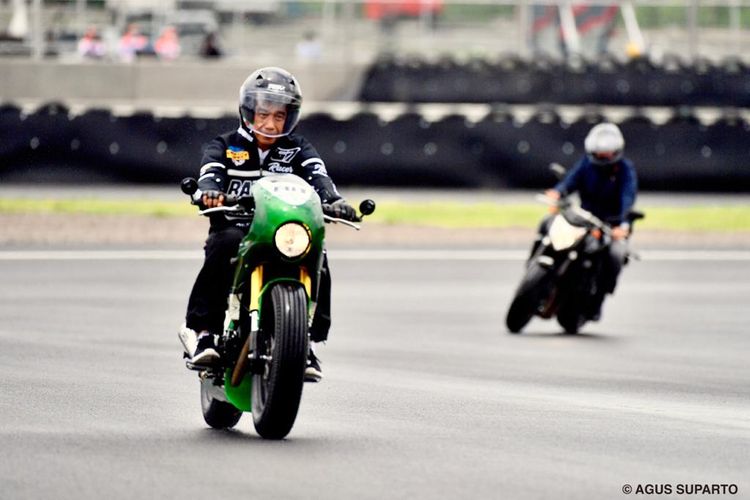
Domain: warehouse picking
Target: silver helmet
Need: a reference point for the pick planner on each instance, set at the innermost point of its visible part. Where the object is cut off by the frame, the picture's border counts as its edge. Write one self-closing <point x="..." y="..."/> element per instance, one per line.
<point x="604" y="144"/>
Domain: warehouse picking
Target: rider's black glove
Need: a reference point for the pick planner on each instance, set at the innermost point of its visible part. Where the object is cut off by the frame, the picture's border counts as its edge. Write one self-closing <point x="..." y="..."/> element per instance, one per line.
<point x="341" y="210"/>
<point x="212" y="198"/>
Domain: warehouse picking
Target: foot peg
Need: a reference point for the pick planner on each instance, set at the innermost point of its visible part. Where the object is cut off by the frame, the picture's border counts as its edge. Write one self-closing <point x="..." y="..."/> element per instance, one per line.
<point x="192" y="366"/>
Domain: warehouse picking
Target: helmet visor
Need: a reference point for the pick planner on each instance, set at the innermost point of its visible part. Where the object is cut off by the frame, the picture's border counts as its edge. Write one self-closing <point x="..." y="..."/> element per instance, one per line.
<point x="605" y="156"/>
<point x="269" y="113"/>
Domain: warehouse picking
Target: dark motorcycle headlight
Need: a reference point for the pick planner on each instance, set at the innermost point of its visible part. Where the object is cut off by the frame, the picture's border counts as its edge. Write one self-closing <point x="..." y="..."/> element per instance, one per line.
<point x="292" y="240"/>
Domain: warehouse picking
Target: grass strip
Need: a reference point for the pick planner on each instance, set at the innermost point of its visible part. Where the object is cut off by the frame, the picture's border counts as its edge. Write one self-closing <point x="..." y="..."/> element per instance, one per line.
<point x="96" y="206"/>
<point x="725" y="218"/>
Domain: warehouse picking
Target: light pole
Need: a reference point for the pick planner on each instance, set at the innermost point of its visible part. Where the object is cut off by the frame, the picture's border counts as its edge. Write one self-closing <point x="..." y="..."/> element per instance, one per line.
<point x="38" y="30"/>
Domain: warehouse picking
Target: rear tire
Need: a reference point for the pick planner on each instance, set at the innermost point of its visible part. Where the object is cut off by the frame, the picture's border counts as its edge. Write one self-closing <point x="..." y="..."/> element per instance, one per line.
<point x="283" y="337"/>
<point x="527" y="298"/>
<point x="218" y="414"/>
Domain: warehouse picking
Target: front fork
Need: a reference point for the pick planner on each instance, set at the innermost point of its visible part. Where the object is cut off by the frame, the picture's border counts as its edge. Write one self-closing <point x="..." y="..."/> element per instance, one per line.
<point x="249" y="352"/>
<point x="549" y="307"/>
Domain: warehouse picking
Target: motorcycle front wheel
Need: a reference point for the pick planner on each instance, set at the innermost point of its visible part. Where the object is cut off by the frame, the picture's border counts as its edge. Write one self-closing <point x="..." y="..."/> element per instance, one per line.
<point x="527" y="298"/>
<point x="282" y="341"/>
<point x="570" y="318"/>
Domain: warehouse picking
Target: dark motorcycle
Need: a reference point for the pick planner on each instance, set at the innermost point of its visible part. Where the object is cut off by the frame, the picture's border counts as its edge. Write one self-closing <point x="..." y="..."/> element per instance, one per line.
<point x="563" y="271"/>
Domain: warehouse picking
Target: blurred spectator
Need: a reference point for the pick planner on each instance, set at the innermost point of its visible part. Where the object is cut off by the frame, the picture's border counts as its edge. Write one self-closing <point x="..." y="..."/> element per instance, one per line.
<point x="210" y="47"/>
<point x="167" y="46"/>
<point x="131" y="43"/>
<point x="309" y="48"/>
<point x="19" y="21"/>
<point x="390" y="12"/>
<point x="91" y="45"/>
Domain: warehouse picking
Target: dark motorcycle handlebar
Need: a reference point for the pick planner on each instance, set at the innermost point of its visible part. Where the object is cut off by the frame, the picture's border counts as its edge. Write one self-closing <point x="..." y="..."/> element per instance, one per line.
<point x="366" y="207"/>
<point x="189" y="186"/>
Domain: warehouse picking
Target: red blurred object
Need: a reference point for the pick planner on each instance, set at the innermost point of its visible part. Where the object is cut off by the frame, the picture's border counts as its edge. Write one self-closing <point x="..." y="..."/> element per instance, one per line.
<point x="383" y="9"/>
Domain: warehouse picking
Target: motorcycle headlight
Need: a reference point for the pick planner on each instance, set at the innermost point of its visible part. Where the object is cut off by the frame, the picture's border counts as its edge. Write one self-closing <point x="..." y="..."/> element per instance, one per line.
<point x="292" y="240"/>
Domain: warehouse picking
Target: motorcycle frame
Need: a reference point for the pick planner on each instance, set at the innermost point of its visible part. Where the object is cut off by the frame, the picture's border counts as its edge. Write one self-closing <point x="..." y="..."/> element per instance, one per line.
<point x="564" y="263"/>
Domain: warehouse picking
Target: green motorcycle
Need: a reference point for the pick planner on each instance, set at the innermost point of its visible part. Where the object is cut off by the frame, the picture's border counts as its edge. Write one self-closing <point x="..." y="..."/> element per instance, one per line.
<point x="271" y="304"/>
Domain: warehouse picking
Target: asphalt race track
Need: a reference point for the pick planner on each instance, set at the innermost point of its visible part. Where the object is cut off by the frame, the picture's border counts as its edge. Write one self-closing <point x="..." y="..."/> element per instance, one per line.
<point x="425" y="395"/>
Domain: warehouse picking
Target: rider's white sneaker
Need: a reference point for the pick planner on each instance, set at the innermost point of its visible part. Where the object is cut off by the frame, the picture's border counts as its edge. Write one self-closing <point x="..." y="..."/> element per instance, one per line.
<point x="313" y="373"/>
<point x="200" y="349"/>
<point x="189" y="340"/>
<point x="205" y="352"/>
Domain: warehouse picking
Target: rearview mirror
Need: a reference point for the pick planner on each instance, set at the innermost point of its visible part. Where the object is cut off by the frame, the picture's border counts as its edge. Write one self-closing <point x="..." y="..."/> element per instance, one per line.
<point x="189" y="185"/>
<point x="367" y="207"/>
<point x="557" y="169"/>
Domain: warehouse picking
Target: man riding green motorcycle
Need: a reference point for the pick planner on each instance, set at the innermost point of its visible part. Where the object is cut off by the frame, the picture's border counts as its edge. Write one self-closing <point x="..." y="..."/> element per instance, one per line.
<point x="264" y="145"/>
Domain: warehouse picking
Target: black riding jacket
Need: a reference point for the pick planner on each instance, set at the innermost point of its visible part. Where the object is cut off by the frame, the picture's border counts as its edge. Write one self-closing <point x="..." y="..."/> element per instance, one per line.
<point x="232" y="162"/>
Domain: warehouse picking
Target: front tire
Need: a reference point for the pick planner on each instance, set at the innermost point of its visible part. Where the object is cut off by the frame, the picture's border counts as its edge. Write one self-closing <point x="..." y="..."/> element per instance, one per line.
<point x="570" y="319"/>
<point x="527" y="298"/>
<point x="283" y="339"/>
<point x="217" y="414"/>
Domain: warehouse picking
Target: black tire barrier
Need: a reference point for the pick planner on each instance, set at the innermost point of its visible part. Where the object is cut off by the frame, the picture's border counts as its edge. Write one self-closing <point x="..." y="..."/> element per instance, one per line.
<point x="11" y="123"/>
<point x="496" y="151"/>
<point x="98" y="146"/>
<point x="638" y="82"/>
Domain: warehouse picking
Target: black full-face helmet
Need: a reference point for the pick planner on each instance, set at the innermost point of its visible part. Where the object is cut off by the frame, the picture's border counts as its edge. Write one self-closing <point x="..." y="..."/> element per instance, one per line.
<point x="270" y="87"/>
<point x="604" y="144"/>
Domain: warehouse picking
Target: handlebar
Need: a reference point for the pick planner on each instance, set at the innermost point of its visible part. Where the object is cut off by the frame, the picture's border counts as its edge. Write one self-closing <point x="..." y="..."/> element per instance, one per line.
<point x="572" y="209"/>
<point x="246" y="204"/>
<point x="223" y="208"/>
<point x="565" y="205"/>
<point x="366" y="207"/>
<point x="334" y="220"/>
<point x="231" y="202"/>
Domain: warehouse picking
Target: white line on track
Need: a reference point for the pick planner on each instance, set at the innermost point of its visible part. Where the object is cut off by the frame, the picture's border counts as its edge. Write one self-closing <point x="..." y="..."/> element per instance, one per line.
<point x="357" y="255"/>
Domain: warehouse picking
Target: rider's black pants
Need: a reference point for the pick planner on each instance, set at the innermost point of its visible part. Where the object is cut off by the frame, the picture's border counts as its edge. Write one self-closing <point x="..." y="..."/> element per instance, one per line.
<point x="208" y="299"/>
<point x="612" y="265"/>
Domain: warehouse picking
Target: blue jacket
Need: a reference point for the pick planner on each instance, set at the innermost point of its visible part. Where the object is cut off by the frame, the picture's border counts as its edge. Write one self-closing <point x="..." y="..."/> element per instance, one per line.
<point x="606" y="191"/>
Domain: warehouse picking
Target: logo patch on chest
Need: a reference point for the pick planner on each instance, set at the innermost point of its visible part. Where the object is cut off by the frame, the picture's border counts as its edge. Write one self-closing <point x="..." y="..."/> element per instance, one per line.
<point x="277" y="168"/>
<point x="237" y="155"/>
<point x="283" y="155"/>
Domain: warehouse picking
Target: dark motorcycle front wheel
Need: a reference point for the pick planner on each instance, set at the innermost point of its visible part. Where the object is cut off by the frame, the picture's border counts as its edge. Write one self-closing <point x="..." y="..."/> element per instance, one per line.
<point x="571" y="319"/>
<point x="282" y="341"/>
<point x="528" y="297"/>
